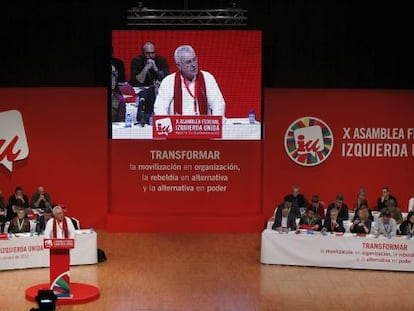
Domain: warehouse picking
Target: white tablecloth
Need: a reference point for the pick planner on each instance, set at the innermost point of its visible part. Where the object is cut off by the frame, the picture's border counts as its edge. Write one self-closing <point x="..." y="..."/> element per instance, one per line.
<point x="346" y="251"/>
<point x="233" y="129"/>
<point x="28" y="252"/>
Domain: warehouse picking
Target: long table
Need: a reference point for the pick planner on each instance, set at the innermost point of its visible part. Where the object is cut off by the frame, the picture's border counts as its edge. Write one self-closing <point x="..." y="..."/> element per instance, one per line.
<point x="347" y="251"/>
<point x="233" y="129"/>
<point x="28" y="252"/>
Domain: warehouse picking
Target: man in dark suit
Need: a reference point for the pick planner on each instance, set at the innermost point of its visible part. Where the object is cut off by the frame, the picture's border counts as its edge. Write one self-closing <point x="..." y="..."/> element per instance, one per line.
<point x="333" y="223"/>
<point x="298" y="200"/>
<point x="284" y="221"/>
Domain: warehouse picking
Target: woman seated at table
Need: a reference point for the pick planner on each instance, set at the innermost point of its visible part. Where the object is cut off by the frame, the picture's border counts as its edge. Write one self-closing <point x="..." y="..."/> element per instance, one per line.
<point x="407" y="227"/>
<point x="20" y="223"/>
<point x="362" y="224"/>
<point x="310" y="220"/>
<point x="333" y="223"/>
<point x="363" y="204"/>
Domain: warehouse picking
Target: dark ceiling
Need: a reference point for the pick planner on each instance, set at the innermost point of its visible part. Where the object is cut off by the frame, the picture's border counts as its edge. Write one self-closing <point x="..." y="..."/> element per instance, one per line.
<point x="309" y="44"/>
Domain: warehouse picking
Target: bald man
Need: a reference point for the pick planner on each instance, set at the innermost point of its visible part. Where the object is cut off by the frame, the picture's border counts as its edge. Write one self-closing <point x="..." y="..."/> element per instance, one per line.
<point x="148" y="68"/>
<point x="41" y="199"/>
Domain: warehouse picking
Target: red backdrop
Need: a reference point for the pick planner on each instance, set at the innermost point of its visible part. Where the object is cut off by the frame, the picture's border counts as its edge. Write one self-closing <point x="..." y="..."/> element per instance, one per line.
<point x="338" y="174"/>
<point x="234" y="57"/>
<point x="67" y="136"/>
<point x="66" y="131"/>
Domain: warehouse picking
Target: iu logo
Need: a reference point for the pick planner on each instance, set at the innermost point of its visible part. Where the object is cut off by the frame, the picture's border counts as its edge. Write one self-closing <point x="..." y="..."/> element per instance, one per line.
<point x="163" y="126"/>
<point x="13" y="142"/>
<point x="308" y="141"/>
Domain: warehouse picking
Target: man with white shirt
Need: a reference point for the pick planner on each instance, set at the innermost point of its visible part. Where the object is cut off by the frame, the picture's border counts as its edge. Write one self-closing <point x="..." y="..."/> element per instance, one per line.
<point x="59" y="226"/>
<point x="385" y="225"/>
<point x="189" y="91"/>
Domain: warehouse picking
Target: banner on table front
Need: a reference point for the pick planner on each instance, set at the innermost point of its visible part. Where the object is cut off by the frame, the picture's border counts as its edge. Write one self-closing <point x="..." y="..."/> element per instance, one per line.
<point x="198" y="127"/>
<point x="337" y="251"/>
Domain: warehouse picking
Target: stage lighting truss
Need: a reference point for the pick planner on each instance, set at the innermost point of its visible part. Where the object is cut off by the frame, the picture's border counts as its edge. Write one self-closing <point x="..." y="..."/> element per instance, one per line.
<point x="231" y="17"/>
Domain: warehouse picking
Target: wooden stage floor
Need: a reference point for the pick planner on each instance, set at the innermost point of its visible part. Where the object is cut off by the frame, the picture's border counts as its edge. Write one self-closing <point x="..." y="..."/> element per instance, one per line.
<point x="212" y="272"/>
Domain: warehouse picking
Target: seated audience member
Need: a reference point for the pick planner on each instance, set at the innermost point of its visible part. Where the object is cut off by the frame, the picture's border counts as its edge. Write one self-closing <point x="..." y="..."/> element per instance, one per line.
<point x="12" y="212"/>
<point x="320" y="207"/>
<point x="411" y="203"/>
<point x="385" y="225"/>
<point x="342" y="208"/>
<point x="42" y="220"/>
<point x="59" y="226"/>
<point x="18" y="198"/>
<point x="20" y="223"/>
<point x="333" y="223"/>
<point x="298" y="200"/>
<point x="310" y="220"/>
<point x="383" y="199"/>
<point x="362" y="223"/>
<point x="148" y="67"/>
<point x="362" y="206"/>
<point x="407" y="226"/>
<point x="2" y="205"/>
<point x="394" y="211"/>
<point x="2" y="223"/>
<point x="41" y="199"/>
<point x="361" y="199"/>
<point x="285" y="220"/>
<point x="119" y="66"/>
<point x="118" y="106"/>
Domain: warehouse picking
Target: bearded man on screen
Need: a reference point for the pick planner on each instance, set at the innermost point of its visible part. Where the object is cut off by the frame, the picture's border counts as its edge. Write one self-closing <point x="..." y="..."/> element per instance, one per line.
<point x="59" y="226"/>
<point x="189" y="91"/>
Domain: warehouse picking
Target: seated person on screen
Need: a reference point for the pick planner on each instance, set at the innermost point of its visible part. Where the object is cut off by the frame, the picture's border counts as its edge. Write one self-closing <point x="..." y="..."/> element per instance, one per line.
<point x="298" y="200"/>
<point x="189" y="91"/>
<point x="59" y="226"/>
<point x="310" y="220"/>
<point x="342" y="208"/>
<point x="18" y="199"/>
<point x="394" y="211"/>
<point x="20" y="223"/>
<point x="407" y="226"/>
<point x="42" y="220"/>
<point x="411" y="203"/>
<point x="362" y="223"/>
<point x="117" y="100"/>
<point x="41" y="199"/>
<point x="333" y="223"/>
<point x="119" y="66"/>
<point x="2" y="205"/>
<point x="385" y="225"/>
<point x="2" y="223"/>
<point x="320" y="207"/>
<point x="363" y="205"/>
<point x="148" y="68"/>
<point x="284" y="221"/>
<point x="383" y="199"/>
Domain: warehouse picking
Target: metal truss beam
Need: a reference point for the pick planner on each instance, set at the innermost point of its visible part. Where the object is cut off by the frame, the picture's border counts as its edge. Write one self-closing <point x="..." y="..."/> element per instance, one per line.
<point x="232" y="17"/>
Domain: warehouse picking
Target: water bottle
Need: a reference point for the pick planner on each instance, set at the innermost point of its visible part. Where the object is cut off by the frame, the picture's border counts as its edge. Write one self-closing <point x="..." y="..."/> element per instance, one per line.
<point x="252" y="117"/>
<point x="151" y="119"/>
<point x="128" y="120"/>
<point x="32" y="230"/>
<point x="91" y="230"/>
